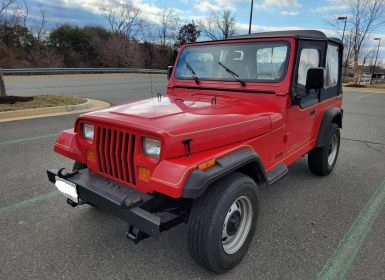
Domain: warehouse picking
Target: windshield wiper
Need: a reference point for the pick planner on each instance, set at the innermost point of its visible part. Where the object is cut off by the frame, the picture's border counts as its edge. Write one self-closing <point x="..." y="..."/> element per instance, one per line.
<point x="193" y="74"/>
<point x="235" y="75"/>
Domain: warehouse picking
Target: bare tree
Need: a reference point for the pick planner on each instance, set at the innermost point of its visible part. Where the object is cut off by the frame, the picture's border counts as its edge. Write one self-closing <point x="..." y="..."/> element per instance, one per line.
<point x="368" y="58"/>
<point x="168" y="26"/>
<point x="4" y="4"/>
<point x="348" y="51"/>
<point x="117" y="51"/>
<point x="366" y="16"/>
<point x="220" y="25"/>
<point x="150" y="32"/>
<point x="38" y="26"/>
<point x="23" y="11"/>
<point x="124" y="20"/>
<point x="17" y="13"/>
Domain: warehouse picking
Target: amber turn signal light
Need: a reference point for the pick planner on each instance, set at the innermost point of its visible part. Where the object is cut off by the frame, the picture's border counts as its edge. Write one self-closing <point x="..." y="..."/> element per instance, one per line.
<point x="207" y="164"/>
<point x="91" y="155"/>
<point x="144" y="173"/>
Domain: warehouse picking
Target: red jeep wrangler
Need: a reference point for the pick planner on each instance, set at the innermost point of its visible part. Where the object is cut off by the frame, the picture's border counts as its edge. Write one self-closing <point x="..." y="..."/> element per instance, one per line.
<point x="236" y="114"/>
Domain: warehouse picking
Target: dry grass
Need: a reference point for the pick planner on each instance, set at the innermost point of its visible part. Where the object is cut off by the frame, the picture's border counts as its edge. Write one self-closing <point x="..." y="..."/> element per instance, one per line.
<point x="378" y="86"/>
<point x="381" y="86"/>
<point x="12" y="103"/>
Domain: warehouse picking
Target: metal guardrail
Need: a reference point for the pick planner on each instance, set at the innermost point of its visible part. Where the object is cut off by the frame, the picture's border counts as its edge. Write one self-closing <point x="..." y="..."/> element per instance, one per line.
<point x="47" y="71"/>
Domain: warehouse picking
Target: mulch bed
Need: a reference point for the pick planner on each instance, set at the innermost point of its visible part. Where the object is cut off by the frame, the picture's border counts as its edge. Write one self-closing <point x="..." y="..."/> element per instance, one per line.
<point x="13" y="103"/>
<point x="14" y="99"/>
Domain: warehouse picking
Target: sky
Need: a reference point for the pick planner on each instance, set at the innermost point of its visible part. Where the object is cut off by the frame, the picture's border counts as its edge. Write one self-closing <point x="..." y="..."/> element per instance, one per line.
<point x="268" y="15"/>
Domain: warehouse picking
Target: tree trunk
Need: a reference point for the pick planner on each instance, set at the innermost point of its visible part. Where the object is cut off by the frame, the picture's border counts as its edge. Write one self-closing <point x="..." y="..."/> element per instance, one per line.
<point x="356" y="67"/>
<point x="2" y="85"/>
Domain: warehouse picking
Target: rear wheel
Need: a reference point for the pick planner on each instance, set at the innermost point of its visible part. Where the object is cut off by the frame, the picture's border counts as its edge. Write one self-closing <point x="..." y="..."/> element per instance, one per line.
<point x="323" y="159"/>
<point x="222" y="222"/>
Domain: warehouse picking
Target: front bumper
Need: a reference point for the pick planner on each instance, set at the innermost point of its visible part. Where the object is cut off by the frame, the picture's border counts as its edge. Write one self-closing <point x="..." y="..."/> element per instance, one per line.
<point x="124" y="202"/>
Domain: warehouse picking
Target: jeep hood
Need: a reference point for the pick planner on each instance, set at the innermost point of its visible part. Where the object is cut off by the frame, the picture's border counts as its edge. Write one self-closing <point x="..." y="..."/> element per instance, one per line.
<point x="209" y="121"/>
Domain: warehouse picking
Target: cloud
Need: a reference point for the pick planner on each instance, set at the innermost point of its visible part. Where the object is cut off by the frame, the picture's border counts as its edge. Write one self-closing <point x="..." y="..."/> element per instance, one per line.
<point x="279" y="4"/>
<point x="265" y="28"/>
<point x="206" y="6"/>
<point x="284" y="7"/>
<point x="326" y="9"/>
<point x="243" y="27"/>
<point x="60" y="12"/>
<point x="150" y="11"/>
<point x="290" y="13"/>
<point x="335" y="2"/>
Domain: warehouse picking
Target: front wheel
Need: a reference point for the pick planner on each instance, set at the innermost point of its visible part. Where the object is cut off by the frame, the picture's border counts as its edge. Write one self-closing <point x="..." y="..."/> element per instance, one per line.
<point x="323" y="159"/>
<point x="222" y="222"/>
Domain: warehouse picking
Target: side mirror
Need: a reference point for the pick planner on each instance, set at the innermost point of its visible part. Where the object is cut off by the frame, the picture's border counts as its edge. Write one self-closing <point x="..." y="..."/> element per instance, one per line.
<point x="315" y="78"/>
<point x="169" y="71"/>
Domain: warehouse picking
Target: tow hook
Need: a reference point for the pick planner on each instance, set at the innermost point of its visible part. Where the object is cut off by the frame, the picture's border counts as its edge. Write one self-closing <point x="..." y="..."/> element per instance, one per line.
<point x="66" y="175"/>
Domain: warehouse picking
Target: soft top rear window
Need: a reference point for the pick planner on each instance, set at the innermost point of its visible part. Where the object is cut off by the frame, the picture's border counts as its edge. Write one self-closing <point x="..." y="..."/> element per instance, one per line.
<point x="255" y="62"/>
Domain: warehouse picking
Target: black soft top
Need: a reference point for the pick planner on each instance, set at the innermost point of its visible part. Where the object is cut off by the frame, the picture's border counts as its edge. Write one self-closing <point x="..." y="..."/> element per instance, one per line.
<point x="299" y="34"/>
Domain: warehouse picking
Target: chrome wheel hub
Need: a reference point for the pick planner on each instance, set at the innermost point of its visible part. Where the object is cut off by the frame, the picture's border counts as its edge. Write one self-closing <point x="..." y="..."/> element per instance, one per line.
<point x="237" y="225"/>
<point x="332" y="150"/>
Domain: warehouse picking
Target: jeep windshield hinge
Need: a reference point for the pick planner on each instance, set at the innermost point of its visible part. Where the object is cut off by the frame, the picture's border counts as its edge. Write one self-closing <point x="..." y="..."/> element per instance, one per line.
<point x="214" y="100"/>
<point x="187" y="142"/>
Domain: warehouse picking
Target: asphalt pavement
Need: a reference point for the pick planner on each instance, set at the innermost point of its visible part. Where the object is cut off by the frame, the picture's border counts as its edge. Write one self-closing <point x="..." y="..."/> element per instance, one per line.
<point x="114" y="88"/>
<point x="303" y="221"/>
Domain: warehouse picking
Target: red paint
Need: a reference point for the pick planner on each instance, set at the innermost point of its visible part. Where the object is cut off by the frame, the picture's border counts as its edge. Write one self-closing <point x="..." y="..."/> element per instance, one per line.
<point x="265" y="122"/>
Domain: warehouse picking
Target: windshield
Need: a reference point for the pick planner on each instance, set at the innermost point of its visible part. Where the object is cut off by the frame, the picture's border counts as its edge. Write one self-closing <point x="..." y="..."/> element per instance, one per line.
<point x="254" y="62"/>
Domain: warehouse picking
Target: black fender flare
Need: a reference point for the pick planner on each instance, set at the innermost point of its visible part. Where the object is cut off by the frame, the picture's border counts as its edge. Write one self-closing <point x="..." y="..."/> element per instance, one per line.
<point x="199" y="180"/>
<point x="331" y="115"/>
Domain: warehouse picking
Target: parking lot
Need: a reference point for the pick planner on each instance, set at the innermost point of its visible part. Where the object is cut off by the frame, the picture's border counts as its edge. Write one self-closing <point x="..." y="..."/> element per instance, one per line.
<point x="303" y="218"/>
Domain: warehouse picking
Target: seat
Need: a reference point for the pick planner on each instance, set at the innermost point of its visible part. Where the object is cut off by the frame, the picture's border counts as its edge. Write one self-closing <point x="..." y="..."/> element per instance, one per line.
<point x="235" y="61"/>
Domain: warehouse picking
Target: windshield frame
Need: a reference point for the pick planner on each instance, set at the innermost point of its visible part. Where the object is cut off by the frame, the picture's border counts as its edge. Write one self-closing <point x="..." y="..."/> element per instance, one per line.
<point x="281" y="41"/>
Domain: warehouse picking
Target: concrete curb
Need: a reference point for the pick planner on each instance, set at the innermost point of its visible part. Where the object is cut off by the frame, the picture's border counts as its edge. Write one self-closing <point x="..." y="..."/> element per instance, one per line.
<point x="81" y="106"/>
<point x="363" y="90"/>
<point x="89" y="105"/>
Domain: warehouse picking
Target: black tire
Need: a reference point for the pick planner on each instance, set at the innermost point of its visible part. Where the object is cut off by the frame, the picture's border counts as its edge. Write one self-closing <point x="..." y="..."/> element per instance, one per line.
<point x="318" y="158"/>
<point x="78" y="166"/>
<point x="207" y="218"/>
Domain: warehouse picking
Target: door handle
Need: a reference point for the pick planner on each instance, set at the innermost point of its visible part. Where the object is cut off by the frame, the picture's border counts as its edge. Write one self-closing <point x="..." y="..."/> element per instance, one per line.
<point x="312" y="112"/>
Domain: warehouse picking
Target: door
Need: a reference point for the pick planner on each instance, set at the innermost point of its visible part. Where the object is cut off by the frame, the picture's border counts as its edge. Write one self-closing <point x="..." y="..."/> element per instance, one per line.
<point x="304" y="103"/>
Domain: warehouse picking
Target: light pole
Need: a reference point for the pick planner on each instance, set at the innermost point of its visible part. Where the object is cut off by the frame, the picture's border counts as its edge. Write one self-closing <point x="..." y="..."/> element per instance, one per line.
<point x="251" y="15"/>
<point x="378" y="49"/>
<point x="345" y="18"/>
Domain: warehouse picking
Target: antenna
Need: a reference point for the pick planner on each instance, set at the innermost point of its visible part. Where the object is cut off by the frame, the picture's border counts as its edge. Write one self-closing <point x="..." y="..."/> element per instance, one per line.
<point x="150" y="73"/>
<point x="149" y="57"/>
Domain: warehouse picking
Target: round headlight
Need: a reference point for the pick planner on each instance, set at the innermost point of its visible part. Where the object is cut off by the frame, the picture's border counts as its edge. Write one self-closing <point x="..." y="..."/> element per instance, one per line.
<point x="151" y="147"/>
<point x="88" y="131"/>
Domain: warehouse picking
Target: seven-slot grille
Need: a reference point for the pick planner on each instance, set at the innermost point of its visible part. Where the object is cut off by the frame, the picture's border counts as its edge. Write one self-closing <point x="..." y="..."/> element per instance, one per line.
<point x="116" y="154"/>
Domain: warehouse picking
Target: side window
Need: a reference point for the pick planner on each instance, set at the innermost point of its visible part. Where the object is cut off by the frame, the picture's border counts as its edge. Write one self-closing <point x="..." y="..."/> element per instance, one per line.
<point x="332" y="66"/>
<point x="309" y="58"/>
